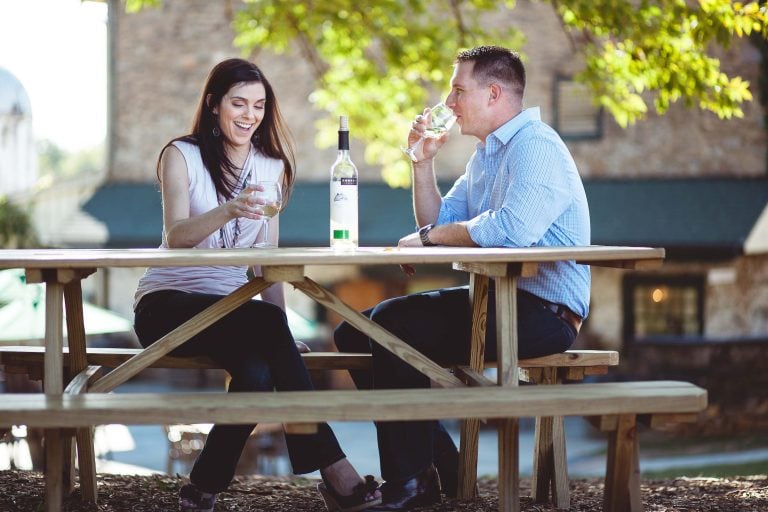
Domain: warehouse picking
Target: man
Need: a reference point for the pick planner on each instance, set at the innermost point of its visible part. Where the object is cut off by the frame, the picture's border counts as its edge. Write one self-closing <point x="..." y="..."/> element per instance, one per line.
<point x="521" y="188"/>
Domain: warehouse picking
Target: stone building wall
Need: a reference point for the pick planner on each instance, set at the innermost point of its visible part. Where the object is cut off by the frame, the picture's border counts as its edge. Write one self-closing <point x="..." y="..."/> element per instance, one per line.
<point x="736" y="299"/>
<point x="732" y="372"/>
<point x="684" y="142"/>
<point x="161" y="58"/>
<point x="737" y="303"/>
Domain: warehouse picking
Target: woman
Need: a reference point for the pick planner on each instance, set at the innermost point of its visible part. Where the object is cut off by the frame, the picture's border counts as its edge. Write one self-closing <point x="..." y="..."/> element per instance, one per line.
<point x="238" y="136"/>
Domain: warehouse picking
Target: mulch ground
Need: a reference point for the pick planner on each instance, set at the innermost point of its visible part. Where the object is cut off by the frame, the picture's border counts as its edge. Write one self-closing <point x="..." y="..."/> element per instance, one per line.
<point x="22" y="491"/>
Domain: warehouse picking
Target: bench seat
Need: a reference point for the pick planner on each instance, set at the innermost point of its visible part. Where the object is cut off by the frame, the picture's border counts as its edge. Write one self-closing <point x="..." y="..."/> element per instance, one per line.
<point x="27" y="359"/>
<point x="37" y="410"/>
<point x="550" y="469"/>
<point x="623" y="401"/>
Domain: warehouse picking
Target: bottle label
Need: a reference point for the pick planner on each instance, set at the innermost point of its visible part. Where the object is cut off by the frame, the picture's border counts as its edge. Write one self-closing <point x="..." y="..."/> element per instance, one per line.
<point x="341" y="234"/>
<point x="343" y="208"/>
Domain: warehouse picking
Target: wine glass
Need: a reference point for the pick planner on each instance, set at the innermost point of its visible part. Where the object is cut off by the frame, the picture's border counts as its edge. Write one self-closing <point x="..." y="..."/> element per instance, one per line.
<point x="441" y="119"/>
<point x="272" y="197"/>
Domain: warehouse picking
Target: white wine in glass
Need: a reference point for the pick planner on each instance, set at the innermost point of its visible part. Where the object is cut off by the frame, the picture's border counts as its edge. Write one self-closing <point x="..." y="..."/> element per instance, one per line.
<point x="272" y="196"/>
<point x="269" y="211"/>
<point x="441" y="119"/>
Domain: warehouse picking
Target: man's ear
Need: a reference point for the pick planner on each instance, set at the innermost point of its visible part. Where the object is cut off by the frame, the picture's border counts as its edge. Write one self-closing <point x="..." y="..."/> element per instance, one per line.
<point x="214" y="109"/>
<point x="495" y="93"/>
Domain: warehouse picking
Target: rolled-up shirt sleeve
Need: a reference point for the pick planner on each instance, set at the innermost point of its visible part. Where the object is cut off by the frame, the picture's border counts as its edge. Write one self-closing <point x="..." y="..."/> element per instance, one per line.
<point x="454" y="207"/>
<point x="538" y="194"/>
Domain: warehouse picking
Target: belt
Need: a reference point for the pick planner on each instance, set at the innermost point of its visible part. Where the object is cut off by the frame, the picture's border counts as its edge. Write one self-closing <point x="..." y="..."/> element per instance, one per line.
<point x="560" y="311"/>
<point x="563" y="313"/>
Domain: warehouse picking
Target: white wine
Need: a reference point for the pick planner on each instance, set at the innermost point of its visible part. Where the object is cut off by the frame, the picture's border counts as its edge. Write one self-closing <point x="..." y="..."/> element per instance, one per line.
<point x="343" y="233"/>
<point x="442" y="119"/>
<point x="435" y="132"/>
<point x="269" y="210"/>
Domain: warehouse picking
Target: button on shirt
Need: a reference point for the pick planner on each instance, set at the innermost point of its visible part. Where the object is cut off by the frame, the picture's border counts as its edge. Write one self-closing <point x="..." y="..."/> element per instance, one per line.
<point x="521" y="188"/>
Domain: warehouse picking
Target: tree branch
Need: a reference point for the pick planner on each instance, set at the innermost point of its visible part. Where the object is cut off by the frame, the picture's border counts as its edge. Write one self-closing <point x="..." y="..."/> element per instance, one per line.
<point x="456" y="10"/>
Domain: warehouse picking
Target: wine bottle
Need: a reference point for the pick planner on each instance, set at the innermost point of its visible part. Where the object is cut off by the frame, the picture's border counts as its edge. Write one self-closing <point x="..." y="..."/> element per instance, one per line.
<point x="343" y="194"/>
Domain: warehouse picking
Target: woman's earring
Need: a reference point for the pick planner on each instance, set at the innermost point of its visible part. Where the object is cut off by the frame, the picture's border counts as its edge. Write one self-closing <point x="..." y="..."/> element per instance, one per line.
<point x="216" y="132"/>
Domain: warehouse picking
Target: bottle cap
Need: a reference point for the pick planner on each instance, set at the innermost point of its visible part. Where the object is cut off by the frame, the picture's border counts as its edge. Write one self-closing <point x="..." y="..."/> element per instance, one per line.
<point x="343" y="124"/>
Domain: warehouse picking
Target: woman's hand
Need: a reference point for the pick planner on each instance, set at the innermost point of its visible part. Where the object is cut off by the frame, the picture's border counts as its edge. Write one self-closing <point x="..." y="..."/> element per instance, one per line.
<point x="245" y="204"/>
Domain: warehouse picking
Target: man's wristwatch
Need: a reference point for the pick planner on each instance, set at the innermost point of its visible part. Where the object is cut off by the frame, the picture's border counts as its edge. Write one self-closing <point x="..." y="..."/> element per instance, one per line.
<point x="424" y="235"/>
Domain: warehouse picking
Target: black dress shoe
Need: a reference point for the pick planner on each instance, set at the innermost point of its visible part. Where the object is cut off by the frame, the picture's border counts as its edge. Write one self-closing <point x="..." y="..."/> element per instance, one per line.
<point x="447" y="465"/>
<point x="420" y="491"/>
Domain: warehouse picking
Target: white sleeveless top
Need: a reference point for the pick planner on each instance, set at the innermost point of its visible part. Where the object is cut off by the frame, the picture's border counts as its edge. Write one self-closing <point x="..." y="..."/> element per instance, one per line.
<point x="203" y="198"/>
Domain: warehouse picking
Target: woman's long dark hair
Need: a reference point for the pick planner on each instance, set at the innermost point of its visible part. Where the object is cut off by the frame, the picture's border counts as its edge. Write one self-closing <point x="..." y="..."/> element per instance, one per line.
<point x="271" y="138"/>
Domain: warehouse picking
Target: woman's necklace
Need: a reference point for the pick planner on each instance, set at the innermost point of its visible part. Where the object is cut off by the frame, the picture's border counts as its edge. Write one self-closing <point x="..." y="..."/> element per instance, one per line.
<point x="239" y="188"/>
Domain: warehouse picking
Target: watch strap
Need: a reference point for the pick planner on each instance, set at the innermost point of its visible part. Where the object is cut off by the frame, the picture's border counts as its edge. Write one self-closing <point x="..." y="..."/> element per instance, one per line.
<point x="424" y="235"/>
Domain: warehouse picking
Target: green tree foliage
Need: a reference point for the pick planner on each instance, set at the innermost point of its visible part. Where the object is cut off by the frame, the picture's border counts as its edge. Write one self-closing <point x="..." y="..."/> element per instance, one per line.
<point x="661" y="51"/>
<point x="16" y="230"/>
<point x="56" y="162"/>
<point x="382" y="61"/>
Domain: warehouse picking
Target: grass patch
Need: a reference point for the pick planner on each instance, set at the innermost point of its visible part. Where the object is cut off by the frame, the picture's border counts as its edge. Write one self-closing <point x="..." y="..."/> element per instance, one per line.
<point x="656" y="442"/>
<point x="717" y="471"/>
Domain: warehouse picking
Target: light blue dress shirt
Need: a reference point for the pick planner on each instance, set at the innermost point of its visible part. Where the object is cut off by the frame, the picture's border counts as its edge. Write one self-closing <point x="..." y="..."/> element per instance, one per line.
<point x="521" y="188"/>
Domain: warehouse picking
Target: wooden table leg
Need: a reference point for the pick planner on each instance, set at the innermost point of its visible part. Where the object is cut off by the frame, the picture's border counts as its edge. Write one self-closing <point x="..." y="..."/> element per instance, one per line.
<point x="78" y="361"/>
<point x="506" y="346"/>
<point x="470" y="429"/>
<point x="622" y="474"/>
<point x="550" y="469"/>
<point x="561" y="492"/>
<point x="53" y="383"/>
<point x="68" y="462"/>
<point x="509" y="468"/>
<point x="54" y="464"/>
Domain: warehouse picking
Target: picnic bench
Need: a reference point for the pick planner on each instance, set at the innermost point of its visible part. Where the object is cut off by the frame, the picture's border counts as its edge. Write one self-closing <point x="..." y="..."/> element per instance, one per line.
<point x="550" y="469"/>
<point x="618" y="402"/>
<point x="62" y="271"/>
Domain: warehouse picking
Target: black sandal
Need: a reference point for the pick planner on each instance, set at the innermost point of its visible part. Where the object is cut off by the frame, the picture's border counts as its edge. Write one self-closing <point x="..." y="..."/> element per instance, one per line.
<point x="192" y="499"/>
<point x="355" y="502"/>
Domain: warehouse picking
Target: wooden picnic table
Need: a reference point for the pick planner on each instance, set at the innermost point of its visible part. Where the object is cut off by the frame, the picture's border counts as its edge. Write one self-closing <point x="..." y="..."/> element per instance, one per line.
<point x="63" y="269"/>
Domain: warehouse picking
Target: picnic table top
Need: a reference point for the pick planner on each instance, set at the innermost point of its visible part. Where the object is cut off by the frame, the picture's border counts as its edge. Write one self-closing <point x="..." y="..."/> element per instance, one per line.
<point x="97" y="258"/>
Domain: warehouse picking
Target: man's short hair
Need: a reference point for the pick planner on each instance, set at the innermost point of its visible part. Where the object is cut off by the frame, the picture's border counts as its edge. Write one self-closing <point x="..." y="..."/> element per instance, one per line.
<point x="496" y="64"/>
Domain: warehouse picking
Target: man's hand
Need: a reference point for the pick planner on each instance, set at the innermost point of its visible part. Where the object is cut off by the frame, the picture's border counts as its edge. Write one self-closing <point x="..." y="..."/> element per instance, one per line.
<point x="425" y="148"/>
<point x="412" y="240"/>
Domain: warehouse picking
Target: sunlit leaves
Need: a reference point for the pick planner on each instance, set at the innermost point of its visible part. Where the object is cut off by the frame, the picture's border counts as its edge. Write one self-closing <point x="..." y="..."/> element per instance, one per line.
<point x="382" y="61"/>
<point x="137" y="5"/>
<point x="660" y="52"/>
<point x="379" y="62"/>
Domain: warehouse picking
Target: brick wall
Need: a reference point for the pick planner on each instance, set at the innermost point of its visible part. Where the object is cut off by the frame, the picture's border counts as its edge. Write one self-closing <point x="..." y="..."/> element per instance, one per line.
<point x="732" y="371"/>
<point x="736" y="299"/>
<point x="161" y="57"/>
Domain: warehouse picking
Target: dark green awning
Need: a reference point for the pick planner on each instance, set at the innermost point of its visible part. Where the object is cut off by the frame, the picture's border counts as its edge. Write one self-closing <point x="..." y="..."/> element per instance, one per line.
<point x="691" y="218"/>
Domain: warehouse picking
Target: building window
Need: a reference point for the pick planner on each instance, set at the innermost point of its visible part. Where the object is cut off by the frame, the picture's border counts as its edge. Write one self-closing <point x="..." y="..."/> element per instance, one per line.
<point x="576" y="117"/>
<point x="663" y="306"/>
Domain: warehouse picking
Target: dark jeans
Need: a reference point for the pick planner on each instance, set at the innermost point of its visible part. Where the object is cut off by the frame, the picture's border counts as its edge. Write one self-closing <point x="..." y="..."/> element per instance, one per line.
<point x="438" y="324"/>
<point x="254" y="344"/>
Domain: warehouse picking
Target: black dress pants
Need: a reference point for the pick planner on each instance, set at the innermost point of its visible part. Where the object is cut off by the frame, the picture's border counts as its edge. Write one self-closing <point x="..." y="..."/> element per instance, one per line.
<point x="254" y="344"/>
<point x="438" y="324"/>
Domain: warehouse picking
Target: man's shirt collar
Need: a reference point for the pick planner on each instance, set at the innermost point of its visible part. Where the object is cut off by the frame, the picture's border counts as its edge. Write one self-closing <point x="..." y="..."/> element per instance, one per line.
<point x="504" y="133"/>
